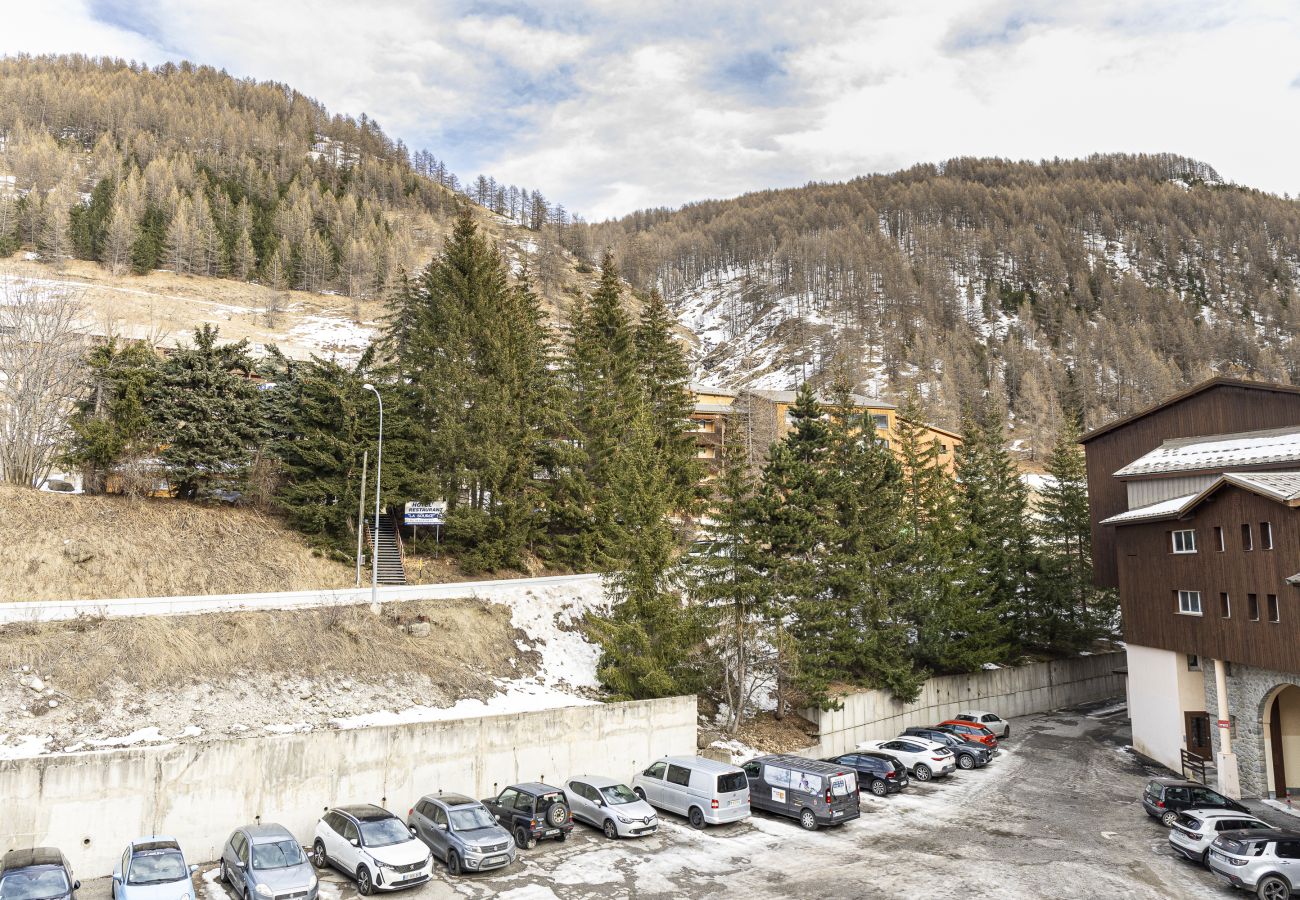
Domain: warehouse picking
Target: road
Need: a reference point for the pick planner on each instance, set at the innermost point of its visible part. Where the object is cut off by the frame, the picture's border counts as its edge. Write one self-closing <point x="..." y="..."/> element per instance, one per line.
<point x="1055" y="815"/>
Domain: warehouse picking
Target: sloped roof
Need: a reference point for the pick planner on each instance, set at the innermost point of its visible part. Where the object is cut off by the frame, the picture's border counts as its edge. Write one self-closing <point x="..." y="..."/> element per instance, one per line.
<point x="790" y="396"/>
<point x="1283" y="487"/>
<point x="1219" y="451"/>
<point x="1186" y="395"/>
<point x="715" y="389"/>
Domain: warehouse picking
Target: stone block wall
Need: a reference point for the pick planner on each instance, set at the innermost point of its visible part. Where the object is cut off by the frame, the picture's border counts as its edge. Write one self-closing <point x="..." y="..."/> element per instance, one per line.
<point x="1248" y="690"/>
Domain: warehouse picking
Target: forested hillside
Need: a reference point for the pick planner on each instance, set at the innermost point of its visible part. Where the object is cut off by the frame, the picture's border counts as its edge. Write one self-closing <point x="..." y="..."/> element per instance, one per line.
<point x="186" y="168"/>
<point x="1095" y="285"/>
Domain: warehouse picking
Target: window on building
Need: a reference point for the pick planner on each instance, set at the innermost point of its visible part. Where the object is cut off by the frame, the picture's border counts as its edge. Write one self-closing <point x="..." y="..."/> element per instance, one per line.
<point x="1225" y="606"/>
<point x="1266" y="535"/>
<point x="1274" y="611"/>
<point x="885" y="441"/>
<point x="882" y="422"/>
<point x="1189" y="603"/>
<point x="1247" y="541"/>
<point x="1218" y="538"/>
<point x="943" y="448"/>
<point x="1184" y="541"/>
<point x="1193" y="662"/>
<point x="1252" y="607"/>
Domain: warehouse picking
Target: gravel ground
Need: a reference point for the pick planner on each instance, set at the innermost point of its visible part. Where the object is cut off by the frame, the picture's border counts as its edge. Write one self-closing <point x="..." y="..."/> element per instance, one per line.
<point x="1055" y="815"/>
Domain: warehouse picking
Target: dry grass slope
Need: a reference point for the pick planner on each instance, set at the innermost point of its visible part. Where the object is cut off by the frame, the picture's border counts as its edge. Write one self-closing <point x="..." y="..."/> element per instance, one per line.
<point x="59" y="547"/>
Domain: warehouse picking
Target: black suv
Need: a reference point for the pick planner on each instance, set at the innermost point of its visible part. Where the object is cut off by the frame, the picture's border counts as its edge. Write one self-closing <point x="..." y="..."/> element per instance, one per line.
<point x="1165" y="798"/>
<point x="970" y="754"/>
<point x="877" y="772"/>
<point x="40" y="872"/>
<point x="532" y="812"/>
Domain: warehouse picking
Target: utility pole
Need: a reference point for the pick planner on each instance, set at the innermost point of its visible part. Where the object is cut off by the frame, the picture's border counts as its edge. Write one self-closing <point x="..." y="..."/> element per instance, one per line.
<point x="361" y="510"/>
<point x="379" y="473"/>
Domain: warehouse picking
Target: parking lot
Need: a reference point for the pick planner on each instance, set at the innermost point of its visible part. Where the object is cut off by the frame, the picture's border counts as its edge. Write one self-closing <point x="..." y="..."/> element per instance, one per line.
<point x="1055" y="815"/>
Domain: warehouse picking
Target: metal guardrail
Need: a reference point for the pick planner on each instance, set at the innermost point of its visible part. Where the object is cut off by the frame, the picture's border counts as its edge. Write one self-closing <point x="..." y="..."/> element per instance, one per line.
<point x="1193" y="766"/>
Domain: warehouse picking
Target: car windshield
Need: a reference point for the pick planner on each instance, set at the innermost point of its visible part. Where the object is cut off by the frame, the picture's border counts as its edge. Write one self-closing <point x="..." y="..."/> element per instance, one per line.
<point x="470" y="817"/>
<point x="383" y="832"/>
<point x="279" y="855"/>
<point x="618" y="794"/>
<point x="33" y="884"/>
<point x="157" y="868"/>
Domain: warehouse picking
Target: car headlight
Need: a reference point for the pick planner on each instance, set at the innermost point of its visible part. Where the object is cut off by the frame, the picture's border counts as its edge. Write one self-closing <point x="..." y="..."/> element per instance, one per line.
<point x="263" y="890"/>
<point x="625" y="820"/>
<point x="311" y="885"/>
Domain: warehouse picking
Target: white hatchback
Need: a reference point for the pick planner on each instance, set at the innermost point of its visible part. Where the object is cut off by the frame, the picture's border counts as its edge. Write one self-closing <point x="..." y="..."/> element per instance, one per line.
<point x="992" y="721"/>
<point x="1195" y="830"/>
<point x="924" y="758"/>
<point x="610" y="805"/>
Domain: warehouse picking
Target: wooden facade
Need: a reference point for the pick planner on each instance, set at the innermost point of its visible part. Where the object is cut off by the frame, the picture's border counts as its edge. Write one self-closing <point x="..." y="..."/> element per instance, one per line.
<point x="1218" y="406"/>
<point x="1150" y="574"/>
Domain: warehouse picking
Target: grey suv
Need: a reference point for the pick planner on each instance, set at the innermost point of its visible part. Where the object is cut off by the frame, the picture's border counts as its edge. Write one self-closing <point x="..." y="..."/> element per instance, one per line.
<point x="462" y="833"/>
<point x="1266" y="862"/>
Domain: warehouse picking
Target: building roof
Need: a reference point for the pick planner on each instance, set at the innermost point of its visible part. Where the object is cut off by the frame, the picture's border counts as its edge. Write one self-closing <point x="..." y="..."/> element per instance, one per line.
<point x="1294" y="579"/>
<point x="1220" y="451"/>
<point x="936" y="428"/>
<point x="714" y="408"/>
<point x="790" y="396"/>
<point x="1283" y="487"/>
<point x="716" y="389"/>
<point x="1186" y="395"/>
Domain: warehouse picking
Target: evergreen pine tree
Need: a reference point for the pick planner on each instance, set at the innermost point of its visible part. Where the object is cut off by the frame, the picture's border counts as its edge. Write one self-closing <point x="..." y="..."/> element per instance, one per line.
<point x="111" y="421"/>
<point x="665" y="383"/>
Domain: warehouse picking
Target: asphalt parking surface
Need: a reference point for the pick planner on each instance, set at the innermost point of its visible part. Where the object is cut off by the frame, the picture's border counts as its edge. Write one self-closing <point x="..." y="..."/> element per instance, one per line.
<point x="1055" y="815"/>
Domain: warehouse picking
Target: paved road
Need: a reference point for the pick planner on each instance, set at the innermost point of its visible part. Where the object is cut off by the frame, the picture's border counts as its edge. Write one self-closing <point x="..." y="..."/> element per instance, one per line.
<point x="1054" y="816"/>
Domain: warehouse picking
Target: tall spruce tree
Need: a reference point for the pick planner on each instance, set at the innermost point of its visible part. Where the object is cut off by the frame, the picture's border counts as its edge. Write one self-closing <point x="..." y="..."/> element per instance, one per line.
<point x="665" y="384"/>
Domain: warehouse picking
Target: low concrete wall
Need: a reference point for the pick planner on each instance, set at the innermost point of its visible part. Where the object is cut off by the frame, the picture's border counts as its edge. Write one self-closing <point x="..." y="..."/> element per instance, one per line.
<point x="875" y="715"/>
<point x="91" y="804"/>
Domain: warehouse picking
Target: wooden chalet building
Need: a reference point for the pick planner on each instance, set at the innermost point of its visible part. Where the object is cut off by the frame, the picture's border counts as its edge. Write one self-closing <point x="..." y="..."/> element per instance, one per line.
<point x="1195" y="506"/>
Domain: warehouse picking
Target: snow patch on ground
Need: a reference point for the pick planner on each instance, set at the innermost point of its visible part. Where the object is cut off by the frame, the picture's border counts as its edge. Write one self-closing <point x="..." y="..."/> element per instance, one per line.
<point x="333" y="336"/>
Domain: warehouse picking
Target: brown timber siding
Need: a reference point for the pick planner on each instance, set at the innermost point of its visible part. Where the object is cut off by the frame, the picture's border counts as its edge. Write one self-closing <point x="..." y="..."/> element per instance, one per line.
<point x="1150" y="574"/>
<point x="1221" y="408"/>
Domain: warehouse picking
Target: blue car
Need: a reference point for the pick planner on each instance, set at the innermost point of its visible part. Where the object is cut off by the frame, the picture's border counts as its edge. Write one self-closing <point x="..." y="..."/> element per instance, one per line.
<point x="153" y="869"/>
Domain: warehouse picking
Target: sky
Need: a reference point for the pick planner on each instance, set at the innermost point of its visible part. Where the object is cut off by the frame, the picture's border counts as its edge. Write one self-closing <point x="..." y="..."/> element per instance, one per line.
<point x="609" y="106"/>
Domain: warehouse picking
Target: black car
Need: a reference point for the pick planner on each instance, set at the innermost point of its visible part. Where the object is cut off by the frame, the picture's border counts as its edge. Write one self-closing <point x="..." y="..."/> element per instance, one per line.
<point x="41" y="873"/>
<point x="1165" y="798"/>
<point x="970" y="754"/>
<point x="877" y="772"/>
<point x="532" y="812"/>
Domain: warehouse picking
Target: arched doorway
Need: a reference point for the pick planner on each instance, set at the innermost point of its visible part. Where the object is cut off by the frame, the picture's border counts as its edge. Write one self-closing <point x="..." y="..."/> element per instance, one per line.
<point x="1282" y="741"/>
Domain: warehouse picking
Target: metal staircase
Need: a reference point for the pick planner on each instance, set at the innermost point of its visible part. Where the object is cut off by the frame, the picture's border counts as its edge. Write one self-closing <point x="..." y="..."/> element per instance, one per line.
<point x="391" y="568"/>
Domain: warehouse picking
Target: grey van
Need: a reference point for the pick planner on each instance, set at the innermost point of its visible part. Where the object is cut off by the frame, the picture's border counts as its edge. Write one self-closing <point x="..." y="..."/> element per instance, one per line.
<point x="814" y="792"/>
<point x="703" y="790"/>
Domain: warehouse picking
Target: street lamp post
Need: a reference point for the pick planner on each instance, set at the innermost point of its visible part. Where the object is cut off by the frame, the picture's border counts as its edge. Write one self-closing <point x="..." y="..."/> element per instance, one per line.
<point x="379" y="469"/>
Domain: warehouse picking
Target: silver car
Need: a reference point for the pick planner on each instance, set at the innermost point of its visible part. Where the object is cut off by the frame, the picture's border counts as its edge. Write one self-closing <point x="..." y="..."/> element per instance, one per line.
<point x="462" y="833"/>
<point x="267" y="862"/>
<point x="1266" y="862"/>
<point x="1195" y="830"/>
<point x="610" y="805"/>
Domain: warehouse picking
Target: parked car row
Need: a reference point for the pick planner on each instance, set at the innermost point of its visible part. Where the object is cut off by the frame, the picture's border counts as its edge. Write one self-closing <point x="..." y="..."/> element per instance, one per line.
<point x="1216" y="831"/>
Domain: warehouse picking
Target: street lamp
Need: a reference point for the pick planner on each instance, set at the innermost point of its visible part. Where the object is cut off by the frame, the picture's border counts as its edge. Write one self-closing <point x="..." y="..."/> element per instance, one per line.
<point x="379" y="470"/>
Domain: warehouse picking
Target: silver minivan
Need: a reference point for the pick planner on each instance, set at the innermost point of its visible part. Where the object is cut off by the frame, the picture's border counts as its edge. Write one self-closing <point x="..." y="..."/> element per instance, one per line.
<point x="704" y="790"/>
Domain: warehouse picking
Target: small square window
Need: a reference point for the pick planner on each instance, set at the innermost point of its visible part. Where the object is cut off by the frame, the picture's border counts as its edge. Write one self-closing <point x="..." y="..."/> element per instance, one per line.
<point x="881" y="422"/>
<point x="1193" y="662"/>
<point x="1184" y="541"/>
<point x="1274" y="611"/>
<point x="1266" y="535"/>
<point x="1247" y="541"/>
<point x="1252" y="607"/>
<point x="1189" y="603"/>
<point x="1225" y="606"/>
<point x="1218" y="538"/>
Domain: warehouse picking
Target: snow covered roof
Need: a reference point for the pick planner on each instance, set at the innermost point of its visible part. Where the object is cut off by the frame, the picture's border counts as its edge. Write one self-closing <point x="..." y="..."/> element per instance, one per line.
<point x="1284" y="487"/>
<point x="714" y="389"/>
<point x="791" y="396"/>
<point x="714" y="408"/>
<point x="1247" y="448"/>
<point x="1161" y="510"/>
<point x="1294" y="579"/>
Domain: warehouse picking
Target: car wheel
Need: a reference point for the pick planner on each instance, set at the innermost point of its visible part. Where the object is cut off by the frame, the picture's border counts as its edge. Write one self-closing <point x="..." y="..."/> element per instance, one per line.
<point x="922" y="772"/>
<point x="1205" y="856"/>
<point x="1006" y="732"/>
<point x="524" y="840"/>
<point x="364" y="884"/>
<point x="640" y="793"/>
<point x="453" y="863"/>
<point x="807" y="820"/>
<point x="610" y="829"/>
<point x="319" y="858"/>
<point x="1273" y="887"/>
<point x="879" y="788"/>
<point x="1168" y="818"/>
<point x="696" y="817"/>
<point x="966" y="761"/>
<point x="222" y="875"/>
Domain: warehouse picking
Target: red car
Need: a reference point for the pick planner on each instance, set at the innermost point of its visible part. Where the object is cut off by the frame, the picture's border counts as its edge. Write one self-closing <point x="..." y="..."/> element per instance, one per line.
<point x="971" y="731"/>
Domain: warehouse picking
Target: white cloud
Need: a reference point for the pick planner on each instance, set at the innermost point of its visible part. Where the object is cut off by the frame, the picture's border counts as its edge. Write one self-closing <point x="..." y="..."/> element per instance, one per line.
<point x="608" y="106"/>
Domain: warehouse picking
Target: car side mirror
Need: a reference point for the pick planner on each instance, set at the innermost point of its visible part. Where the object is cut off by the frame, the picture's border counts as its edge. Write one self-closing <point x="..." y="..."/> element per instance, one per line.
<point x="76" y="885"/>
<point x="413" y="831"/>
<point x="442" y="825"/>
<point x="354" y="842"/>
<point x="194" y="869"/>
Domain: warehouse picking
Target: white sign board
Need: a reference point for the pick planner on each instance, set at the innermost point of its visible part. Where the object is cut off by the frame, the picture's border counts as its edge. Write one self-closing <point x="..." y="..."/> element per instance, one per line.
<point x="434" y="513"/>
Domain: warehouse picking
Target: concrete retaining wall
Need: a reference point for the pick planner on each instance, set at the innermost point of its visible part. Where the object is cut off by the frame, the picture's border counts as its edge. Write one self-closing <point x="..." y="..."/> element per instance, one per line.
<point x="875" y="715"/>
<point x="91" y="804"/>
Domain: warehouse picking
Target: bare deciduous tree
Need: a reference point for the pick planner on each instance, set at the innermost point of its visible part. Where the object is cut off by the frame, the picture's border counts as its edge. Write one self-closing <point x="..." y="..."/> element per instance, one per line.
<point x="42" y="344"/>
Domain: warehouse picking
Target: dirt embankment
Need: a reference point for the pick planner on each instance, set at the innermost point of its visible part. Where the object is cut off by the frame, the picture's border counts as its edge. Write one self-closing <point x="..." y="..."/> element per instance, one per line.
<point x="60" y="547"/>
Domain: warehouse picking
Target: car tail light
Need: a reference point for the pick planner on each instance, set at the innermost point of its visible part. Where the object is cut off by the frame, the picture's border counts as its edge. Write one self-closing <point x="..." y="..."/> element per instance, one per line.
<point x="828" y="796"/>
<point x="1195" y="835"/>
<point x="937" y="758"/>
<point x="713" y="804"/>
<point x="532" y="823"/>
<point x="1160" y="804"/>
<point x="410" y="812"/>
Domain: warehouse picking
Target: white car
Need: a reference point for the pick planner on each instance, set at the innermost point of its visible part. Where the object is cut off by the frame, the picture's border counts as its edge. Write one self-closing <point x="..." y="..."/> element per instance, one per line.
<point x="924" y="758"/>
<point x="1195" y="830"/>
<point x="610" y="805"/>
<point x="992" y="721"/>
<point x="372" y="845"/>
